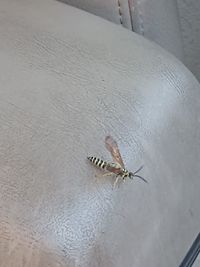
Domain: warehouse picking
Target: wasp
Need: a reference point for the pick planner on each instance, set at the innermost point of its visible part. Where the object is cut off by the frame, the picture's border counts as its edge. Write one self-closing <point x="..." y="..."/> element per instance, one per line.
<point x="117" y="167"/>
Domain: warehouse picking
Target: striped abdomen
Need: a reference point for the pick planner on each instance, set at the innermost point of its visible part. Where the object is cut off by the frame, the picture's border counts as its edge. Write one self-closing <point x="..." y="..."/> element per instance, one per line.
<point x="98" y="162"/>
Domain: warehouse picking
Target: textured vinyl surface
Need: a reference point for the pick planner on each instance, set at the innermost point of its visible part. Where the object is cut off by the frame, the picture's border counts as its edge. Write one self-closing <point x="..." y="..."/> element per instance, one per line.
<point x="173" y="24"/>
<point x="159" y="21"/>
<point x="197" y="262"/>
<point x="189" y="12"/>
<point x="117" y="11"/>
<point x="67" y="79"/>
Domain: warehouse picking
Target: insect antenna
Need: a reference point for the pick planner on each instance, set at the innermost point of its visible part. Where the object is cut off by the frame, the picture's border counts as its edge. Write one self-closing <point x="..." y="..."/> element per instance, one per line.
<point x="141" y="167"/>
<point x="141" y="178"/>
<point x="134" y="174"/>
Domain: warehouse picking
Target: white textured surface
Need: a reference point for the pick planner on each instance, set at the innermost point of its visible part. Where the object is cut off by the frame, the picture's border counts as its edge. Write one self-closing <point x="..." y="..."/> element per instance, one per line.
<point x="197" y="262"/>
<point x="189" y="12"/>
<point x="158" y="21"/>
<point x="67" y="79"/>
<point x="116" y="11"/>
<point x="173" y="24"/>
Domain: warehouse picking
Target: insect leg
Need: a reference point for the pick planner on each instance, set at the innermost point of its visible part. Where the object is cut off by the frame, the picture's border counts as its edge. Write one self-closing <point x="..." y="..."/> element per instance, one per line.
<point x="105" y="174"/>
<point x="124" y="177"/>
<point x="116" y="181"/>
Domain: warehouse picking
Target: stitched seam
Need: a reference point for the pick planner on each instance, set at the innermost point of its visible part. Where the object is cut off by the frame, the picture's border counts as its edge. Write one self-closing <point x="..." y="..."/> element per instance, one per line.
<point x="120" y="12"/>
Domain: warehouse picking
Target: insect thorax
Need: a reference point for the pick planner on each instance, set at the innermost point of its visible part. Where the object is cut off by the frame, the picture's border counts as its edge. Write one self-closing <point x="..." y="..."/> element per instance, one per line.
<point x="115" y="165"/>
<point x="125" y="173"/>
<point x="121" y="171"/>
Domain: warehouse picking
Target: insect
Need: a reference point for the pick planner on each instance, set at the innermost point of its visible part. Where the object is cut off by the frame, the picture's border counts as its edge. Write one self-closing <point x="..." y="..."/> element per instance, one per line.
<point x="117" y="167"/>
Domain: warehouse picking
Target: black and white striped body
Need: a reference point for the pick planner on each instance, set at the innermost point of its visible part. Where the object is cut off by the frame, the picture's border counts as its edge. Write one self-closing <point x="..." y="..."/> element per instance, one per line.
<point x="98" y="162"/>
<point x="112" y="167"/>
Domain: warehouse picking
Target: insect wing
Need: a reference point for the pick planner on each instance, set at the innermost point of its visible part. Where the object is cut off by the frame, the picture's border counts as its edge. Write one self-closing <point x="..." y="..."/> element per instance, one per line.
<point x="112" y="147"/>
<point x="113" y="168"/>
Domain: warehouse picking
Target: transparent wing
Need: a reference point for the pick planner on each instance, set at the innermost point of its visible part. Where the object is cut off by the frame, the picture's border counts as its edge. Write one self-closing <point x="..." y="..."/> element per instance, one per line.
<point x="114" y="168"/>
<point x="112" y="147"/>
